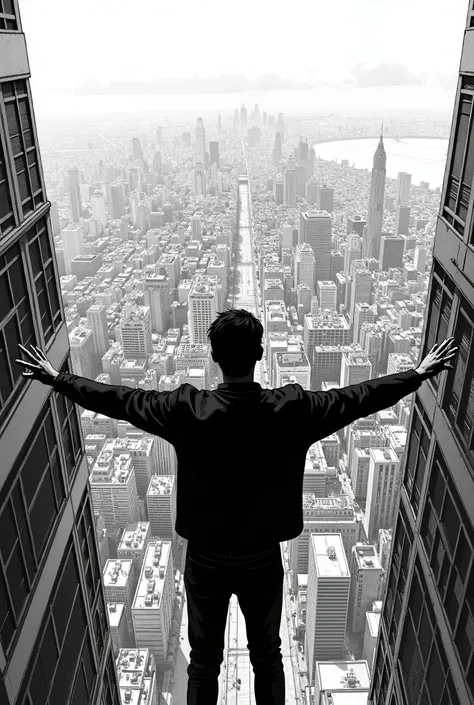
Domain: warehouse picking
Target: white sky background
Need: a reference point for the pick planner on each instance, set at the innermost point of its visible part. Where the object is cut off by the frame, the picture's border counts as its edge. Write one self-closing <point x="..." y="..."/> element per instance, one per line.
<point x="69" y="41"/>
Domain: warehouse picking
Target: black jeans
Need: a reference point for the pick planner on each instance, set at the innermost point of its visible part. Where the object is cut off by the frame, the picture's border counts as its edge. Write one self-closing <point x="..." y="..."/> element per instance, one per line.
<point x="210" y="581"/>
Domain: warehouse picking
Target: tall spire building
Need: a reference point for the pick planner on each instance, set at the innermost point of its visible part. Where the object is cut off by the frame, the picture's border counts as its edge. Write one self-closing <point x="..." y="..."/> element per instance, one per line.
<point x="55" y="644"/>
<point x="425" y="649"/>
<point x="377" y="189"/>
<point x="200" y="153"/>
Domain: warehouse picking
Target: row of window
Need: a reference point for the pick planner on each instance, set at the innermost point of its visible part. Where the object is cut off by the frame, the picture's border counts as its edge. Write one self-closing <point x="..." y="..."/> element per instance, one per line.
<point x="458" y="397"/>
<point x="416" y="456"/>
<point x="8" y="15"/>
<point x="422" y="664"/>
<point x="448" y="538"/>
<point x="31" y="503"/>
<point x="422" y="672"/>
<point x="398" y="575"/>
<point x="64" y="663"/>
<point x="29" y="260"/>
<point x="26" y="167"/>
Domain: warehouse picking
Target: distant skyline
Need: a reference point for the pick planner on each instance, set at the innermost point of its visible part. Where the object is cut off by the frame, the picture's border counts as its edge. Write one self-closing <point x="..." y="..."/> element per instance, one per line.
<point x="360" y="43"/>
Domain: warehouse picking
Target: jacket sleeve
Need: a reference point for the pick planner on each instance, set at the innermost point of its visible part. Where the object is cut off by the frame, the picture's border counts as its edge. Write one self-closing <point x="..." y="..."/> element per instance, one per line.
<point x="327" y="412"/>
<point x="148" y="410"/>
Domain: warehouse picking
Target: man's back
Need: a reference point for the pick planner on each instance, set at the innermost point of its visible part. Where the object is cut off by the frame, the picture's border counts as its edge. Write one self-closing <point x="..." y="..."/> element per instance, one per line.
<point x="241" y="449"/>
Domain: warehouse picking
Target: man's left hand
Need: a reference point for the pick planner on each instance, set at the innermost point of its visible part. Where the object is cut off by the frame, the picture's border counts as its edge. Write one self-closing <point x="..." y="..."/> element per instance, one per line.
<point x="41" y="368"/>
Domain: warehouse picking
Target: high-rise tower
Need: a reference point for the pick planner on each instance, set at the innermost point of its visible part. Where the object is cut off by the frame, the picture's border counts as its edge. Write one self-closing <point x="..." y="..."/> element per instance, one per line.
<point x="200" y="153"/>
<point x="375" y="214"/>
<point x="74" y="194"/>
<point x="55" y="644"/>
<point x="243" y="116"/>
<point x="425" y="650"/>
<point x="290" y="182"/>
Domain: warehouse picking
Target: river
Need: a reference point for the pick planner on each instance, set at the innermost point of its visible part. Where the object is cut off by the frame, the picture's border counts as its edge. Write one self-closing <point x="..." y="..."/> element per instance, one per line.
<point x="424" y="159"/>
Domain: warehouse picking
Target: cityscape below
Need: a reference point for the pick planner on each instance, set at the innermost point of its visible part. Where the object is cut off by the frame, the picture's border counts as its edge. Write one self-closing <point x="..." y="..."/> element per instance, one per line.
<point x="119" y="245"/>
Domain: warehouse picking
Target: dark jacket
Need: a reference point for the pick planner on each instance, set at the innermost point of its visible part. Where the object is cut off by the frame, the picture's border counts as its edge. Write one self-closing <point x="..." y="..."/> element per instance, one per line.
<point x="241" y="449"/>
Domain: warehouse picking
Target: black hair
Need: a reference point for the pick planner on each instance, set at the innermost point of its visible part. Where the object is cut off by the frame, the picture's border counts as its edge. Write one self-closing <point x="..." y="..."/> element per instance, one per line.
<point x="235" y="337"/>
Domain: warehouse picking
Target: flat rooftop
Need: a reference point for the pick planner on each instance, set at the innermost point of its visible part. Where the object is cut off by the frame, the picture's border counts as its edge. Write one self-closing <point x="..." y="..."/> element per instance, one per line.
<point x="326" y="566"/>
<point x="373" y="619"/>
<point x="134" y="535"/>
<point x="366" y="557"/>
<point x="349" y="698"/>
<point x="116" y="572"/>
<point x="342" y="675"/>
<point x="152" y="575"/>
<point x="160" y="484"/>
<point x="115" y="612"/>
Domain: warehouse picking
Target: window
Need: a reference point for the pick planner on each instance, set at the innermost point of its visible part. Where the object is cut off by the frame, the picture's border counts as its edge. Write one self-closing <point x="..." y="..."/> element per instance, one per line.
<point x="458" y="399"/>
<point x="30" y="505"/>
<point x="45" y="285"/>
<point x="462" y="164"/>
<point x="397" y="576"/>
<point x="7" y="220"/>
<point x="417" y="453"/>
<point x="110" y="693"/>
<point x="89" y="557"/>
<point x="448" y="537"/>
<point x="439" y="308"/>
<point x="62" y="662"/>
<point x="8" y="17"/>
<point x="423" y="665"/>
<point x="16" y="324"/>
<point x="70" y="432"/>
<point x="23" y="143"/>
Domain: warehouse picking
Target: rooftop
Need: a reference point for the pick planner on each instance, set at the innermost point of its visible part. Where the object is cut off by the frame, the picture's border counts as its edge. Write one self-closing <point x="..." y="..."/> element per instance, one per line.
<point x="115" y="612"/>
<point x="152" y="575"/>
<point x="366" y="557"/>
<point x="117" y="572"/>
<point x="134" y="535"/>
<point x="160" y="484"/>
<point x="343" y="675"/>
<point x="329" y="556"/>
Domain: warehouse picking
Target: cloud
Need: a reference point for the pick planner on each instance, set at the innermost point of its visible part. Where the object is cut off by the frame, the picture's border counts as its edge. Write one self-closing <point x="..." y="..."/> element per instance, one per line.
<point x="189" y="85"/>
<point x="384" y="75"/>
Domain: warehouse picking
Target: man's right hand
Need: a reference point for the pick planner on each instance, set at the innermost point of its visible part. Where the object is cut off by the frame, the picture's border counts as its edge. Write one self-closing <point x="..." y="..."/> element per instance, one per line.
<point x="437" y="359"/>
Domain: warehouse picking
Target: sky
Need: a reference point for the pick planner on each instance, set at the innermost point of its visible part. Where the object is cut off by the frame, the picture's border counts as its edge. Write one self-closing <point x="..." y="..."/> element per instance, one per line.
<point x="71" y="42"/>
<point x="379" y="56"/>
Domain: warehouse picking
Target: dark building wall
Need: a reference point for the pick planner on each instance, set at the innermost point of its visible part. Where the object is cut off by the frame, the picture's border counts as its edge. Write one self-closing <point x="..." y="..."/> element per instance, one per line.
<point x="55" y="645"/>
<point x="425" y="651"/>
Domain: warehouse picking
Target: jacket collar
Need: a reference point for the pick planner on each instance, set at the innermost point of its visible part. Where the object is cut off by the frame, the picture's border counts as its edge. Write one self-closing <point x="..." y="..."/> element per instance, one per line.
<point x="239" y="386"/>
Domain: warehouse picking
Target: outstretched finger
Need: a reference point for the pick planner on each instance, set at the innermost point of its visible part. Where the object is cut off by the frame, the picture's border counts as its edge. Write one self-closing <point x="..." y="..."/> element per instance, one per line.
<point x="28" y="364"/>
<point x="40" y="353"/>
<point x="27" y="352"/>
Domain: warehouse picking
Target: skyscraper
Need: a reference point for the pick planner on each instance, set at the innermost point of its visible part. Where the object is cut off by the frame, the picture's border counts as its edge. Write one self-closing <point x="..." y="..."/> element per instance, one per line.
<point x="200" y="153"/>
<point x="290" y="183"/>
<point x="316" y="228"/>
<point x="403" y="188"/>
<point x="137" y="151"/>
<point x="375" y="213"/>
<point x="54" y="639"/>
<point x="329" y="584"/>
<point x="214" y="153"/>
<point x="402" y="220"/>
<point x="426" y="644"/>
<point x="74" y="194"/>
<point x="243" y="116"/>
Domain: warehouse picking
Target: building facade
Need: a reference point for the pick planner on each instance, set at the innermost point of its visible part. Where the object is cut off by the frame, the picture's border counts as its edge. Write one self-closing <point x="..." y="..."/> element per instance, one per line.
<point x="55" y="644"/>
<point x="425" y="651"/>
